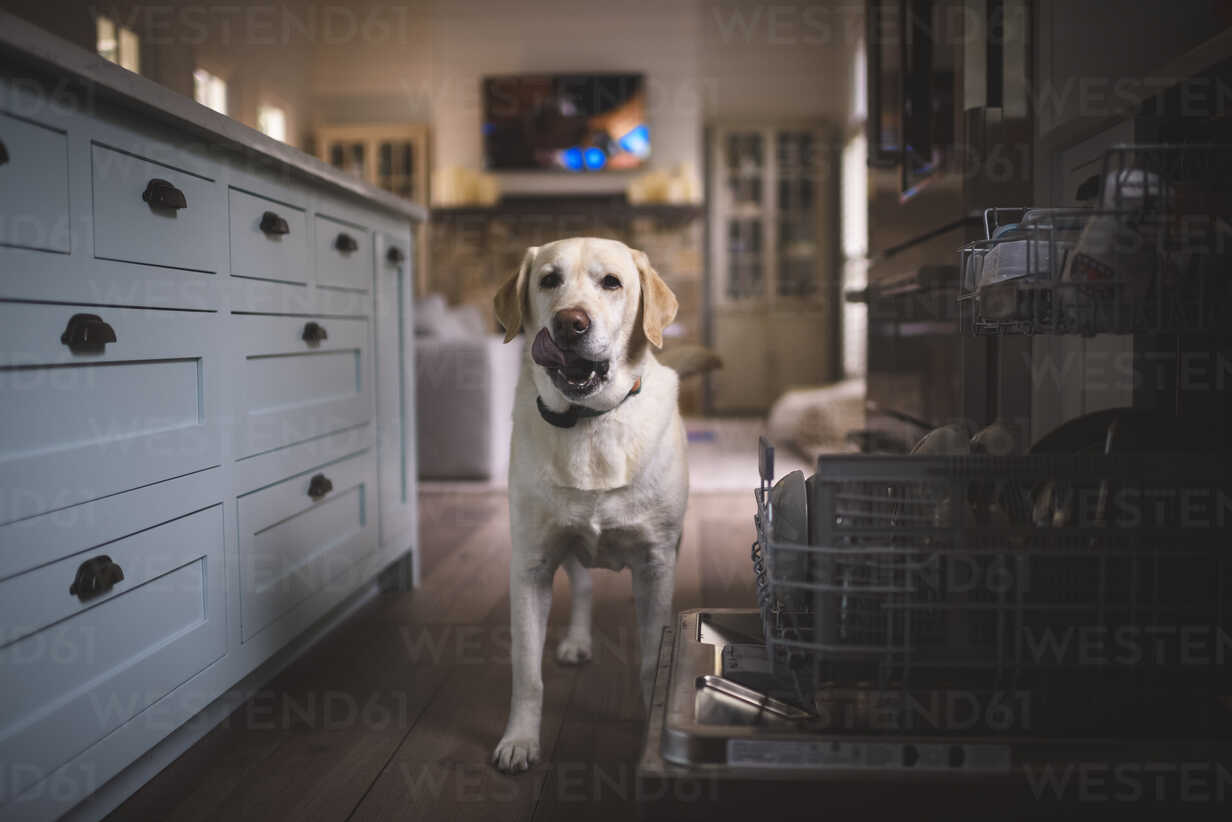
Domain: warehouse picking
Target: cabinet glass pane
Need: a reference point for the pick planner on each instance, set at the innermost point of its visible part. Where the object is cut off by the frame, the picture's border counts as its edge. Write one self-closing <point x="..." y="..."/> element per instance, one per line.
<point x="408" y="169"/>
<point x="797" y="170"/>
<point x="797" y="257"/>
<point x="799" y="177"/>
<point x="745" y="167"/>
<point x="386" y="164"/>
<point x="744" y="258"/>
<point x="354" y="162"/>
<point x="396" y="167"/>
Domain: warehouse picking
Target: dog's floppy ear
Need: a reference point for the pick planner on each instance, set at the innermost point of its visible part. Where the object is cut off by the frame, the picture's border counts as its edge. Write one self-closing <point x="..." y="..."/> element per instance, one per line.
<point x="510" y="301"/>
<point x="658" y="302"/>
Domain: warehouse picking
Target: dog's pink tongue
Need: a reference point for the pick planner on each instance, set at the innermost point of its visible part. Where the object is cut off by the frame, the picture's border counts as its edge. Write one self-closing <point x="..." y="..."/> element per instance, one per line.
<point x="545" y="352"/>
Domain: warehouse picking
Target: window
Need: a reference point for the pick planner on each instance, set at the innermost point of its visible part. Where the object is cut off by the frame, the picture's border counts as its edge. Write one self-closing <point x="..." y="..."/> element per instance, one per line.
<point x="854" y="221"/>
<point x="118" y="44"/>
<point x="210" y="90"/>
<point x="272" y="121"/>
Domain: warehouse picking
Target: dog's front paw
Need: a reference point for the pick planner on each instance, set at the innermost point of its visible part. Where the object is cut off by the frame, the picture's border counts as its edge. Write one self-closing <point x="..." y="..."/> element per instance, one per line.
<point x="573" y="650"/>
<point x="515" y="755"/>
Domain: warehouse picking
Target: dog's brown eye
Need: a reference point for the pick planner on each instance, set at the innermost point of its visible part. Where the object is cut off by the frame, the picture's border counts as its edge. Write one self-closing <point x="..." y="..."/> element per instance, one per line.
<point x="550" y="280"/>
<point x="610" y="282"/>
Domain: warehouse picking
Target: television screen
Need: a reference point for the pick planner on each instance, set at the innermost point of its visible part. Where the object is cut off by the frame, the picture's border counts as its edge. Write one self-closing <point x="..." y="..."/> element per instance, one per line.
<point x="573" y="122"/>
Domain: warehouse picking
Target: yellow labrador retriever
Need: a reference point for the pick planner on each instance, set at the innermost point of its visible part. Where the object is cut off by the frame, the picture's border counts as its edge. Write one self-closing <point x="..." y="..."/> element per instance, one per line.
<point x="597" y="473"/>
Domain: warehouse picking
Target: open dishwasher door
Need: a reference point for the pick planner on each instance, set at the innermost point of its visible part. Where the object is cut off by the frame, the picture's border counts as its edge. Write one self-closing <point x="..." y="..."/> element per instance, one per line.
<point x="716" y="749"/>
<point x="983" y="637"/>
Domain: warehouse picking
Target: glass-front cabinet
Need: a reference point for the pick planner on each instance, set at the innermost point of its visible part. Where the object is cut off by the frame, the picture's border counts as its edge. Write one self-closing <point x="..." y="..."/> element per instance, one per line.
<point x="773" y="225"/>
<point x="393" y="157"/>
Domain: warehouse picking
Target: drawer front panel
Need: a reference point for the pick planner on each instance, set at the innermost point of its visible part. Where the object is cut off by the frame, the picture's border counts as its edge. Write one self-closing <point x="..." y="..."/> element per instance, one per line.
<point x="79" y="426"/>
<point x="293" y="380"/>
<point x="343" y="255"/>
<point x="75" y="671"/>
<point x="253" y="296"/>
<point x="31" y="542"/>
<point x="292" y="545"/>
<point x="269" y="253"/>
<point x="34" y="186"/>
<point x="291" y="390"/>
<point x="128" y="228"/>
<point x="78" y="404"/>
<point x="261" y="471"/>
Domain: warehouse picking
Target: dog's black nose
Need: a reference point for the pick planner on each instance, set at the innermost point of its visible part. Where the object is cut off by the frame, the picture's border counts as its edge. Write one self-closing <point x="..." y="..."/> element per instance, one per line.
<point x="570" y="325"/>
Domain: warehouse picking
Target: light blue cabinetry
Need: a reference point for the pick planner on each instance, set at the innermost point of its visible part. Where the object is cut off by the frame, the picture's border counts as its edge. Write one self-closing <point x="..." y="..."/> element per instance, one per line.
<point x="206" y="432"/>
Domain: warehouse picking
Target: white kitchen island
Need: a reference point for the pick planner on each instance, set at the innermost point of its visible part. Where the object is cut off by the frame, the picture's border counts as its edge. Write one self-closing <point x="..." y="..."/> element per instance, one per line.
<point x="206" y="417"/>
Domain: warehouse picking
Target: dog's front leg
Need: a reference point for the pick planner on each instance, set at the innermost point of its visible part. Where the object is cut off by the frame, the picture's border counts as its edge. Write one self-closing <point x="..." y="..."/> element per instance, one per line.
<point x="653" y="584"/>
<point x="530" y="599"/>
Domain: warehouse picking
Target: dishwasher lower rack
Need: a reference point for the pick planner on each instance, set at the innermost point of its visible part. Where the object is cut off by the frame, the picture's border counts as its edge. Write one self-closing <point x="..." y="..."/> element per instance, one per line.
<point x="1048" y="595"/>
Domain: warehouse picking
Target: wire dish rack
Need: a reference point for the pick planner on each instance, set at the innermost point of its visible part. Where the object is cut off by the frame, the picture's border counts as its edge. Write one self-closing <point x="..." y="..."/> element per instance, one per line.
<point x="1151" y="256"/>
<point x="1051" y="605"/>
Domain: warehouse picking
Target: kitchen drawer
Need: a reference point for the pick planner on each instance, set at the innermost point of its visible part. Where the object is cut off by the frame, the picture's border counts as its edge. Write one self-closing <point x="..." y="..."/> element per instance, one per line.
<point x="131" y="225"/>
<point x="290" y="390"/>
<point x="74" y="671"/>
<point x="302" y="532"/>
<point x="80" y="426"/>
<point x="34" y="186"/>
<point x="344" y="255"/>
<point x="257" y="472"/>
<point x="269" y="239"/>
<point x="37" y="540"/>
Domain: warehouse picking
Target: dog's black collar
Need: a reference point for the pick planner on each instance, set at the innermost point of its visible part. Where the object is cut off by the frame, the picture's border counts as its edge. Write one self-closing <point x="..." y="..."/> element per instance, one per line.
<point x="569" y="417"/>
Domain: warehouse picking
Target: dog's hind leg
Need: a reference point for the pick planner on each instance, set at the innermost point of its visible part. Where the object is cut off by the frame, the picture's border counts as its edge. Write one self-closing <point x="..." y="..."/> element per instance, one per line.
<point x="574" y="649"/>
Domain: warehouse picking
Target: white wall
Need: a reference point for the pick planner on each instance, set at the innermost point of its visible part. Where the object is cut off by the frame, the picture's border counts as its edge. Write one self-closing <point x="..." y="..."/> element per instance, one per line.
<point x="399" y="61"/>
<point x="703" y="61"/>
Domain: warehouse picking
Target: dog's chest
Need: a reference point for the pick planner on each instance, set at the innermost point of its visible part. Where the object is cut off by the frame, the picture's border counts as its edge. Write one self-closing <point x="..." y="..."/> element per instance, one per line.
<point x="595" y="457"/>
<point x="602" y="534"/>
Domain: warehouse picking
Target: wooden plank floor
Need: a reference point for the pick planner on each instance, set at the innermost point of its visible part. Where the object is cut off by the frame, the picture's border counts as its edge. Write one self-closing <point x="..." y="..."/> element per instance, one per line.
<point x="393" y="716"/>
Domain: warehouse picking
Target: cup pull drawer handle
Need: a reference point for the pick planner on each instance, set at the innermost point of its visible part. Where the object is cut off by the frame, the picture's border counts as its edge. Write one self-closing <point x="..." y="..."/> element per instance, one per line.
<point x="346" y="243"/>
<point x="314" y="333"/>
<point x="161" y="194"/>
<point x="272" y="224"/>
<point x="319" y="486"/>
<point x="4" y="153"/>
<point x="87" y="334"/>
<point x="95" y="576"/>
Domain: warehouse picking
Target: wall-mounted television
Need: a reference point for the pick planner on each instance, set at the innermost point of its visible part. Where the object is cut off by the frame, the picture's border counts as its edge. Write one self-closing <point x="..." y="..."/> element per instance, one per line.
<point x="580" y="123"/>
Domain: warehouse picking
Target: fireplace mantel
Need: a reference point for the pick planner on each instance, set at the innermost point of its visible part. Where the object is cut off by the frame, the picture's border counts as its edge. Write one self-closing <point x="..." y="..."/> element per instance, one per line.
<point x="587" y="208"/>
